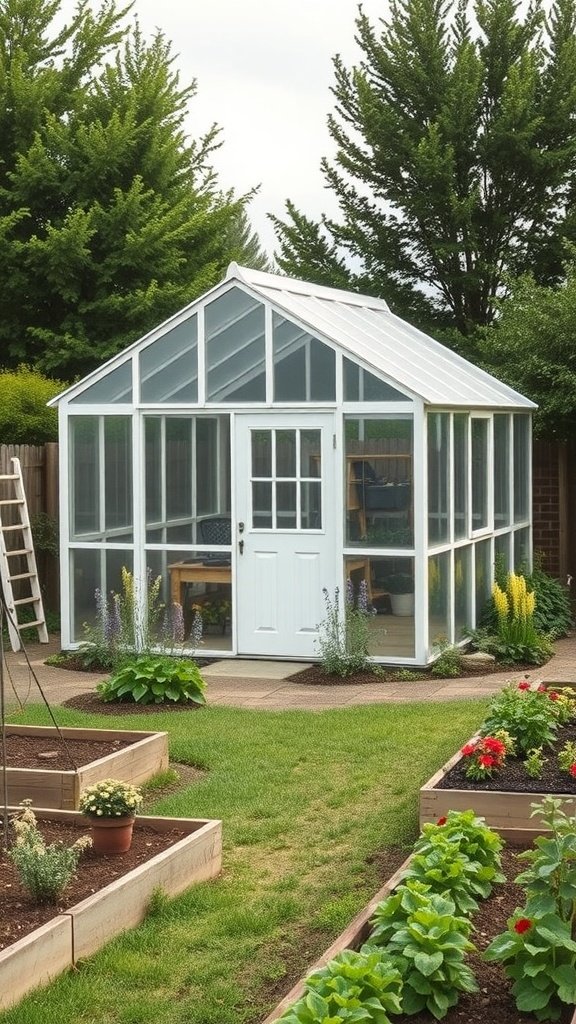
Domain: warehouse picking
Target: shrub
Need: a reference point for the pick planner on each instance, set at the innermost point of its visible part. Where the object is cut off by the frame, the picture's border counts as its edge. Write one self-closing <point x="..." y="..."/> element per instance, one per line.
<point x="527" y="715"/>
<point x="24" y="417"/>
<point x="153" y="679"/>
<point x="44" y="871"/>
<point x="448" y="664"/>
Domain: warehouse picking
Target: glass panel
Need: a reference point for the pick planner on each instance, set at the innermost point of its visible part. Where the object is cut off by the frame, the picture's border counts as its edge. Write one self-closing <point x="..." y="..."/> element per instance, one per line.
<point x="462" y="591"/>
<point x="311" y="505"/>
<point x="304" y="368"/>
<point x="501" y="470"/>
<point x="85" y="477"/>
<point x="502" y="550"/>
<point x="262" y="504"/>
<point x="521" y="467"/>
<point x="116" y="386"/>
<point x="286" y="506"/>
<point x="262" y="453"/>
<point x="438" y="477"/>
<point x="152" y="470"/>
<point x="178" y="467"/>
<point x="197" y="612"/>
<point x="390" y="591"/>
<point x="438" y="599"/>
<point x="169" y="367"/>
<point x="118" y="476"/>
<point x="479" y="474"/>
<point x="522" y="560"/>
<point x="310" y="454"/>
<point x="483" y="579"/>
<point x="285" y="453"/>
<point x="379" y="481"/>
<point x="235" y="358"/>
<point x="460" y="476"/>
<point x="91" y="570"/>
<point x="212" y="464"/>
<point x="362" y="386"/>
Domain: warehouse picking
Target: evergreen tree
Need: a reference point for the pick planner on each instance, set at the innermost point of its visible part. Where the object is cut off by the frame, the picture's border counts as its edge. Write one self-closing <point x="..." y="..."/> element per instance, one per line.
<point x="455" y="158"/>
<point x="111" y="219"/>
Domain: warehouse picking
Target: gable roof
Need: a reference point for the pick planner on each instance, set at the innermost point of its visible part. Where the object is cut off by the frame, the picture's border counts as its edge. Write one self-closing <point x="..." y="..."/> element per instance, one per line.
<point x="365" y="329"/>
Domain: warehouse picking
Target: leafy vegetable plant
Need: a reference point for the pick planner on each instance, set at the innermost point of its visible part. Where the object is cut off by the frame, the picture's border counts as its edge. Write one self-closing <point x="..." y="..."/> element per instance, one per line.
<point x="528" y="715"/>
<point x="473" y="837"/>
<point x="363" y="986"/>
<point x="153" y="679"/>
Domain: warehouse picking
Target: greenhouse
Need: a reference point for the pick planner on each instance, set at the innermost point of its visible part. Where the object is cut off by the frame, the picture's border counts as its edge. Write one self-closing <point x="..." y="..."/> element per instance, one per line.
<point x="276" y="442"/>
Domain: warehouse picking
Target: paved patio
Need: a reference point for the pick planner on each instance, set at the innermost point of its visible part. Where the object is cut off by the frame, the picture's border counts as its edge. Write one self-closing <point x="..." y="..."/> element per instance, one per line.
<point x="267" y="685"/>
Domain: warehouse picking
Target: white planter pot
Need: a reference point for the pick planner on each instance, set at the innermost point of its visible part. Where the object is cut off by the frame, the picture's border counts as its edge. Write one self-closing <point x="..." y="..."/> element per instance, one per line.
<point x="402" y="604"/>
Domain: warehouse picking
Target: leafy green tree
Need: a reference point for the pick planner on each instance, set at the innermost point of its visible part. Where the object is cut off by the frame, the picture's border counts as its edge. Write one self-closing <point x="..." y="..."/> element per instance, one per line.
<point x="455" y="158"/>
<point x="24" y="418"/>
<point x="531" y="347"/>
<point x="111" y="218"/>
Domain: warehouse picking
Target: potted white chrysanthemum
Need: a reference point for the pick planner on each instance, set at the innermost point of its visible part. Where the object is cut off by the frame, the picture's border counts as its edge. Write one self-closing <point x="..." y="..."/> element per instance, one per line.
<point x="111" y="806"/>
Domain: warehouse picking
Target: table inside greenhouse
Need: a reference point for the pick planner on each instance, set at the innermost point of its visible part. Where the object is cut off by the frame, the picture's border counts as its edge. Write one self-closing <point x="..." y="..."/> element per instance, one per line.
<point x="195" y="572"/>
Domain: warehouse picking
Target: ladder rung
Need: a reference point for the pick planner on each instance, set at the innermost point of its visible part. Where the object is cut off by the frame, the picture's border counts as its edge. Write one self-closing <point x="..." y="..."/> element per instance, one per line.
<point x="27" y="625"/>
<point x="23" y="576"/>
<point x="12" y="501"/>
<point x="26" y="600"/>
<point x="20" y="551"/>
<point x="9" y="476"/>
<point x="8" y="529"/>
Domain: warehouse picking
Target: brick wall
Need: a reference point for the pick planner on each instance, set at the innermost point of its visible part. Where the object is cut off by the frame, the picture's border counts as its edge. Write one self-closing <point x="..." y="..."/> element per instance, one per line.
<point x="548" y="505"/>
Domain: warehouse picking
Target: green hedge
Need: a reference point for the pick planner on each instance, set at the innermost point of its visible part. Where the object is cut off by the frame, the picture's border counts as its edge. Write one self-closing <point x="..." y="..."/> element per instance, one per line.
<point x="24" y="417"/>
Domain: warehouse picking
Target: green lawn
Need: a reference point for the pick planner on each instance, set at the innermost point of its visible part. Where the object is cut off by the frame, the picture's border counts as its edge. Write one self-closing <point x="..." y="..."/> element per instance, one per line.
<point x="306" y="799"/>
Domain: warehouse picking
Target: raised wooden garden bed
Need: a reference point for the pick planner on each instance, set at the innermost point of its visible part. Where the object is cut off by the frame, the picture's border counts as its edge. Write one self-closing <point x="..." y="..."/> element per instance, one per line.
<point x="84" y="928"/>
<point x="142" y="755"/>
<point x="508" y="812"/>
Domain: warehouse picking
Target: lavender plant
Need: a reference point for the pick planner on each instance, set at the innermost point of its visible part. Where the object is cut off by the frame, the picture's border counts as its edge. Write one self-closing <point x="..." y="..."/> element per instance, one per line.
<point x="343" y="634"/>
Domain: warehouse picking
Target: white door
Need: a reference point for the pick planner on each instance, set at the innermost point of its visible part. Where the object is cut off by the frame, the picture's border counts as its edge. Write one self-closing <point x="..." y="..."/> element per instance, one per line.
<point x="285" y="531"/>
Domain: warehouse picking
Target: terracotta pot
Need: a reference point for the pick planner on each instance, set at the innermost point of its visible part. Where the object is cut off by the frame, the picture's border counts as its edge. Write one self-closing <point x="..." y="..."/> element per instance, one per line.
<point x="111" y="835"/>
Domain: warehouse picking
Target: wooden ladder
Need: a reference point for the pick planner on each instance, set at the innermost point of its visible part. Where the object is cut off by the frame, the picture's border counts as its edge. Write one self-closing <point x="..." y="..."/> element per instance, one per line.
<point x="14" y="509"/>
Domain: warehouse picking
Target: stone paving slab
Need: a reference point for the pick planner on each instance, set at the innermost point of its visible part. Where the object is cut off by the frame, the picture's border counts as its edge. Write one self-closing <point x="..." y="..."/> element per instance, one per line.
<point x="267" y="684"/>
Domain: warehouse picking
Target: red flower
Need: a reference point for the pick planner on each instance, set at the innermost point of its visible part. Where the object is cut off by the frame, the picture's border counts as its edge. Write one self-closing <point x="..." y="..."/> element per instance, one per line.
<point x="468" y="749"/>
<point x="523" y="924"/>
<point x="553" y="695"/>
<point x="572" y="770"/>
<point x="486" y="760"/>
<point x="443" y="820"/>
<point x="541" y="688"/>
<point x="494" y="746"/>
<point x="524" y="685"/>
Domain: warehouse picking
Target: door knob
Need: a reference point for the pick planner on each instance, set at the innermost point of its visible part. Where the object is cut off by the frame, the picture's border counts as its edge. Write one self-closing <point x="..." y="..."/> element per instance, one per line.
<point x="241" y="546"/>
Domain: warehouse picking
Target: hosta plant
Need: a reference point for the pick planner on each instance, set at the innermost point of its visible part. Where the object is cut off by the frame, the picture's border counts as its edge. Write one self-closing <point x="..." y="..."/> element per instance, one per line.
<point x="153" y="679"/>
<point x="354" y="986"/>
<point x="429" y="949"/>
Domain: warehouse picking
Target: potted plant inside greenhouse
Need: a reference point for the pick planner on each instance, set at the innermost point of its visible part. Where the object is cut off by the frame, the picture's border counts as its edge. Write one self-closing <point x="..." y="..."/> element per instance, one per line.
<point x="400" y="586"/>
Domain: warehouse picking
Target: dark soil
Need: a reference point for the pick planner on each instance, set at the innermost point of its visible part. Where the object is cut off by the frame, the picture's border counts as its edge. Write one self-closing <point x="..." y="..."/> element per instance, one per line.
<point x="494" y="1002"/>
<point x="94" y="704"/>
<point x="514" y="778"/>
<point x="19" y="915"/>
<point x="316" y="676"/>
<point x="71" y="661"/>
<point x="65" y="754"/>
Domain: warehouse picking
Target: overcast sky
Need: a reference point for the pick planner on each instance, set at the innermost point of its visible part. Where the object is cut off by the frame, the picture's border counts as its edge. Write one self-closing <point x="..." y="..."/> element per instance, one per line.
<point x="264" y="70"/>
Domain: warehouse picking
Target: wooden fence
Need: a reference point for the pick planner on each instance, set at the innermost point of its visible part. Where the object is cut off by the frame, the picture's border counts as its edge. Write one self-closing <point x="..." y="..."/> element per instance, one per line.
<point x="40" y="475"/>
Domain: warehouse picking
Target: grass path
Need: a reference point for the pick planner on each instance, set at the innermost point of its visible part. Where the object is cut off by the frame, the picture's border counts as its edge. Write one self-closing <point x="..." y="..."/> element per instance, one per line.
<point x="306" y="799"/>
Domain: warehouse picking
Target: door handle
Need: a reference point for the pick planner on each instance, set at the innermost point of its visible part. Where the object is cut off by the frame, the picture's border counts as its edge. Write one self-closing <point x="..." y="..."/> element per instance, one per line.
<point x="241" y="546"/>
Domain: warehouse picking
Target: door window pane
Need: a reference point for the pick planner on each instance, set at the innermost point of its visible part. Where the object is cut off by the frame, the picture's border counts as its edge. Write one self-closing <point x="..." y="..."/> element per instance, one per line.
<point x="438" y="477"/>
<point x="262" y="504"/>
<point x="286" y="506"/>
<point x="479" y="473"/>
<point x="311" y="505"/>
<point x="286" y="479"/>
<point x="285" y="453"/>
<point x="310" y="453"/>
<point x="261" y="453"/>
<point x="501" y="470"/>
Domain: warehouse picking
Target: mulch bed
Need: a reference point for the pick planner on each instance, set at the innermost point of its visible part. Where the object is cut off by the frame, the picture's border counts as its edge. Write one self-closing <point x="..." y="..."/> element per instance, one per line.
<point x="94" y="704"/>
<point x="19" y="915"/>
<point x="514" y="778"/>
<point x="64" y="754"/>
<point x="316" y="676"/>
